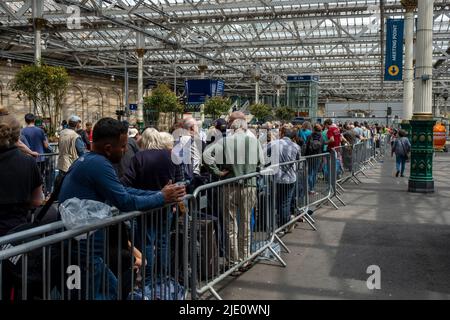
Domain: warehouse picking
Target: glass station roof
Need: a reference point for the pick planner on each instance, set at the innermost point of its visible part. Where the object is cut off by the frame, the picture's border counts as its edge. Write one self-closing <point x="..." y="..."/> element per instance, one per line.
<point x="341" y="41"/>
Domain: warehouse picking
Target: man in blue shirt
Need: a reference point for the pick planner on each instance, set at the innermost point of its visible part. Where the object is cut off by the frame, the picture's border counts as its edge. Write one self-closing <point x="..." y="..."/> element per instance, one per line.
<point x="35" y="136"/>
<point x="93" y="177"/>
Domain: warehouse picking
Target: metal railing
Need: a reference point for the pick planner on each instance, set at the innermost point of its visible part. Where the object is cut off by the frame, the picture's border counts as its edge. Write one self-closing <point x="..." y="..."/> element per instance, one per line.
<point x="184" y="250"/>
<point x="137" y="255"/>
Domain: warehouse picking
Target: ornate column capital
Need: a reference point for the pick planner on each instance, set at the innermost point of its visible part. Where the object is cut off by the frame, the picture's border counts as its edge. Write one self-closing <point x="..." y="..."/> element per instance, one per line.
<point x="409" y="5"/>
<point x="39" y="23"/>
<point x="140" y="52"/>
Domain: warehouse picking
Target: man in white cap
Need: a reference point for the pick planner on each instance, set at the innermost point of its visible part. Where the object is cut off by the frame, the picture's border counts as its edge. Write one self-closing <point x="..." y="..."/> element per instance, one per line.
<point x="70" y="146"/>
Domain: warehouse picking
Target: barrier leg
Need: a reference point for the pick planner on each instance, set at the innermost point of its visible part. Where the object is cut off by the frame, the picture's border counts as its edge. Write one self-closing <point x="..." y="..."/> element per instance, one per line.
<point x="214" y="293"/>
<point x="364" y="174"/>
<point x="309" y="222"/>
<point x="340" y="187"/>
<point x="282" y="243"/>
<point x="277" y="257"/>
<point x="333" y="204"/>
<point x="340" y="200"/>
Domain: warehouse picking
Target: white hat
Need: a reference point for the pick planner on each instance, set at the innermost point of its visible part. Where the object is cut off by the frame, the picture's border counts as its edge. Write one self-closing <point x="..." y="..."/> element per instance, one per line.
<point x="74" y="118"/>
<point x="132" y="132"/>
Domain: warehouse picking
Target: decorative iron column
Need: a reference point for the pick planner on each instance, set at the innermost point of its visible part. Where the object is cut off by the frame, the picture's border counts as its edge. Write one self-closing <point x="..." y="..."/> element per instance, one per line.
<point x="140" y="93"/>
<point x="278" y="84"/>
<point x="408" y="76"/>
<point x="421" y="178"/>
<point x="38" y="24"/>
<point x="257" y="78"/>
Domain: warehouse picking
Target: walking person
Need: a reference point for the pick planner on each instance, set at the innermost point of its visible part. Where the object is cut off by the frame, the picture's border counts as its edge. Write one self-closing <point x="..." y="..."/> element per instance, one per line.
<point x="401" y="147"/>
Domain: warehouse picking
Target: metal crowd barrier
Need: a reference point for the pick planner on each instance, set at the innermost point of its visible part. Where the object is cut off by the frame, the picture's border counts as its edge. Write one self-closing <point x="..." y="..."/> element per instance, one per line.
<point x="355" y="159"/>
<point x="186" y="249"/>
<point x="241" y="219"/>
<point x="101" y="261"/>
<point x="232" y="223"/>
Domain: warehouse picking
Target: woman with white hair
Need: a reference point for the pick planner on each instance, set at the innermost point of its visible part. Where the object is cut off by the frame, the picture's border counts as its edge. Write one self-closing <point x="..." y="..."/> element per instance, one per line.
<point x="151" y="169"/>
<point x="20" y="179"/>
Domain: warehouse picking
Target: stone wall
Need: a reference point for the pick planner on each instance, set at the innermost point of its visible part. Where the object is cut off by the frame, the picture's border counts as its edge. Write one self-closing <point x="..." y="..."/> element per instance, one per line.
<point x="89" y="96"/>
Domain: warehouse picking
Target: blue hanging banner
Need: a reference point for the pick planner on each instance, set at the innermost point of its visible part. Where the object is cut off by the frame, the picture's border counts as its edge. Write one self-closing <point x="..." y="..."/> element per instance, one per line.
<point x="394" y="50"/>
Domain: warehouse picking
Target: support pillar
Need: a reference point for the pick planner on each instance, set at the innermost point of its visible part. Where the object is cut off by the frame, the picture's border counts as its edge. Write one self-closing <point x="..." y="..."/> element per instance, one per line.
<point x="408" y="76"/>
<point x="38" y="24"/>
<point x="421" y="177"/>
<point x="140" y="93"/>
<point x="257" y="76"/>
<point x="257" y="91"/>
<point x="278" y="98"/>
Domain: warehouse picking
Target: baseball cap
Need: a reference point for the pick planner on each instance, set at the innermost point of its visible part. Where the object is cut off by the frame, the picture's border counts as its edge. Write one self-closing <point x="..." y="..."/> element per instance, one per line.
<point x="74" y="118"/>
<point x="220" y="124"/>
<point x="132" y="132"/>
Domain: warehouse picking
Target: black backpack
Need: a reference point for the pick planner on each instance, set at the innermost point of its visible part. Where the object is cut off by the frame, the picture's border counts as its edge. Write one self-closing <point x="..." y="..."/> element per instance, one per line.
<point x="314" y="146"/>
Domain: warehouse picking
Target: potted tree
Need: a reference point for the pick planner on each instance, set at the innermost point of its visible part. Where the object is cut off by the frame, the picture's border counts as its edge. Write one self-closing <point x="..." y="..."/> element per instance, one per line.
<point x="217" y="106"/>
<point x="261" y="111"/>
<point x="45" y="86"/>
<point x="284" y="113"/>
<point x="165" y="103"/>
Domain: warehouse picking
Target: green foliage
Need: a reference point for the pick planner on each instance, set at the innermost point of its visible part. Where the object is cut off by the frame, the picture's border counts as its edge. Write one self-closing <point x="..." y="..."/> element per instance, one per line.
<point x="163" y="99"/>
<point x="217" y="106"/>
<point x="284" y="113"/>
<point x="46" y="87"/>
<point x="261" y="111"/>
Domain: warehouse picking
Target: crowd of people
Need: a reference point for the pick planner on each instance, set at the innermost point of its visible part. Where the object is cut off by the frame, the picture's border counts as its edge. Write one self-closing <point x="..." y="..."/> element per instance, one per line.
<point x="135" y="170"/>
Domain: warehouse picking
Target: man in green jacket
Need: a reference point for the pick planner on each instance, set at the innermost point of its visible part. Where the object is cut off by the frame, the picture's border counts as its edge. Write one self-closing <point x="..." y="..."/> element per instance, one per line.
<point x="235" y="155"/>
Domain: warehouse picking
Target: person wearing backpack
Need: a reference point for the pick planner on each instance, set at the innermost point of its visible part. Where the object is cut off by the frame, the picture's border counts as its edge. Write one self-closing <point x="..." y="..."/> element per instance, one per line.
<point x="314" y="146"/>
<point x="303" y="135"/>
<point x="401" y="147"/>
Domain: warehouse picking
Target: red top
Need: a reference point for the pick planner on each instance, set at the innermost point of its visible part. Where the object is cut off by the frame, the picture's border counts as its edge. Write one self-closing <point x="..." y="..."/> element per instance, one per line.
<point x="334" y="131"/>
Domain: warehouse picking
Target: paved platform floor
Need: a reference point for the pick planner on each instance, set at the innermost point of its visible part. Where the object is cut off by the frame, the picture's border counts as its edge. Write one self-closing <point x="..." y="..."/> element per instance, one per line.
<point x="407" y="235"/>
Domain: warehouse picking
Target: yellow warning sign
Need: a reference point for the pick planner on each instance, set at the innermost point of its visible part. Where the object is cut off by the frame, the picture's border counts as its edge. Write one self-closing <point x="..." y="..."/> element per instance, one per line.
<point x="393" y="70"/>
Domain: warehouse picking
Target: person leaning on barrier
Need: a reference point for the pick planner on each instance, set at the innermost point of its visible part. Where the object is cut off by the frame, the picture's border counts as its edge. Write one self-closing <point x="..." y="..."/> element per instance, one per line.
<point x="235" y="155"/>
<point x="93" y="177"/>
<point x="20" y="179"/>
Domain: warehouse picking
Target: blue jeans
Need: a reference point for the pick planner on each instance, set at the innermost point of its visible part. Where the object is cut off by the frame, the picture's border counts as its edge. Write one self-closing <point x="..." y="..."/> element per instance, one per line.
<point x="312" y="178"/>
<point x="400" y="162"/>
<point x="98" y="290"/>
<point x="285" y="193"/>
<point x="157" y="236"/>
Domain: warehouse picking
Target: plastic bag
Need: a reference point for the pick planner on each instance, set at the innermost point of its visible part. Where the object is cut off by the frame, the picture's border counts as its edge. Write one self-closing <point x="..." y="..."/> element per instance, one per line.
<point x="266" y="254"/>
<point x="163" y="290"/>
<point x="76" y="213"/>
